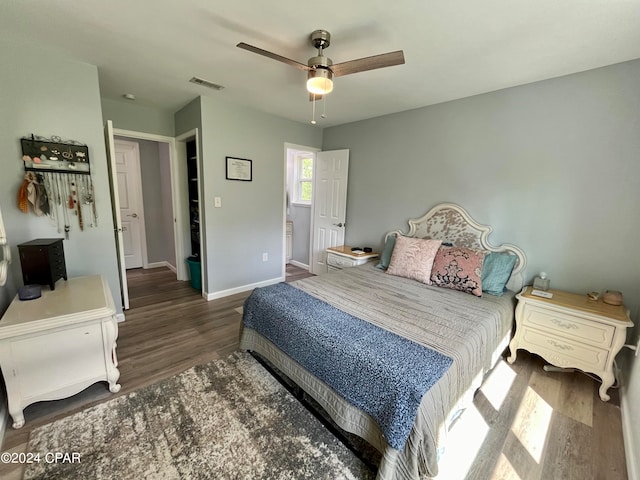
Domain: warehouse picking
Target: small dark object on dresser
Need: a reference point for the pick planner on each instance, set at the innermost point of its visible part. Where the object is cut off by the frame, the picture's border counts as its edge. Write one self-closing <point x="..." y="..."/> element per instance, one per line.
<point x="29" y="292"/>
<point x="42" y="261"/>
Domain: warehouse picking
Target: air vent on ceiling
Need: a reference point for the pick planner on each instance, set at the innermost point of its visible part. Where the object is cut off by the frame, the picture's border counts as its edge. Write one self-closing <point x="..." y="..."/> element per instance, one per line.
<point x="206" y="83"/>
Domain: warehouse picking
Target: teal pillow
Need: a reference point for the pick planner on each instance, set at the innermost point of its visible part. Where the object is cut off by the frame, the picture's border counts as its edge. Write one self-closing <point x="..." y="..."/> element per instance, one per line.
<point x="385" y="258"/>
<point x="496" y="271"/>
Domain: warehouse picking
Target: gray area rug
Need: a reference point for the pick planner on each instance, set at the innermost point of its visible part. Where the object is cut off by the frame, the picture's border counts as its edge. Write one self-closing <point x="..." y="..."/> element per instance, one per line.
<point x="229" y="419"/>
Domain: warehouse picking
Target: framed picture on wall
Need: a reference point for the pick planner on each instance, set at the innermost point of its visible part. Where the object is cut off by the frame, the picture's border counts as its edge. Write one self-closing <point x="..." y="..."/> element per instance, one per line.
<point x="239" y="169"/>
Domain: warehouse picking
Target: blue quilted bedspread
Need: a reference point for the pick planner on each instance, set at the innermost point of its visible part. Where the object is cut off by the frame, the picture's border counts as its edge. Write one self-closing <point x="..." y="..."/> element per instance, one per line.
<point x="377" y="371"/>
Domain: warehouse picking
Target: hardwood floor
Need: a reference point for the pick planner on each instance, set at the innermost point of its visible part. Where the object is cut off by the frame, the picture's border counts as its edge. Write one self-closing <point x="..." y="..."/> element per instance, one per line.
<point x="525" y="423"/>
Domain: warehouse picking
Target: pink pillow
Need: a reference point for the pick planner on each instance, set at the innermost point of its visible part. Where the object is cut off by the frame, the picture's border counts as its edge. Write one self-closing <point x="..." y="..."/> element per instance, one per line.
<point x="413" y="258"/>
<point x="458" y="268"/>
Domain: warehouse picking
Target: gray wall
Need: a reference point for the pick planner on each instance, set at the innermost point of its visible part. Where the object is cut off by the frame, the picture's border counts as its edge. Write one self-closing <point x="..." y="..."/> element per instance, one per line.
<point x="301" y="217"/>
<point x="128" y="115"/>
<point x="250" y="221"/>
<point x="553" y="166"/>
<point x="64" y="102"/>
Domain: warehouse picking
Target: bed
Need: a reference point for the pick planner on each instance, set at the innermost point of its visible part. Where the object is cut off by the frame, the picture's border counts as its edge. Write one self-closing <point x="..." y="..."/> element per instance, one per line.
<point x="463" y="334"/>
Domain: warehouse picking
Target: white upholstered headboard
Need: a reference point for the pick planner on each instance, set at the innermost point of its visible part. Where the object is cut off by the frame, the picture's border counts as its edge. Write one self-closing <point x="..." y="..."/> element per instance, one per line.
<point x="451" y="223"/>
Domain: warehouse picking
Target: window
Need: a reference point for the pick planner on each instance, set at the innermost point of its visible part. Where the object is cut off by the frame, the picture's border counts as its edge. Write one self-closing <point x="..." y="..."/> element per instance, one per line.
<point x="303" y="178"/>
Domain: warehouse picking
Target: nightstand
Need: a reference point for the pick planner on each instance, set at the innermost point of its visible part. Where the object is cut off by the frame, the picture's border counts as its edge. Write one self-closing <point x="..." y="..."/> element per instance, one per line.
<point x="571" y="331"/>
<point x="342" y="257"/>
<point x="57" y="345"/>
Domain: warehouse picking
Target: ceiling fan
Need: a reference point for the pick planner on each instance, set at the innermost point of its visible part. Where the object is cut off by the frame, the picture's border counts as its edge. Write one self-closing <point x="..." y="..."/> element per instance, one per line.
<point x="321" y="69"/>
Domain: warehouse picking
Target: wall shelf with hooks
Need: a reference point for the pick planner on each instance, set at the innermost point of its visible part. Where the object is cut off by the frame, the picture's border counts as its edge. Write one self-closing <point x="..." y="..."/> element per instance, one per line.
<point x="41" y="154"/>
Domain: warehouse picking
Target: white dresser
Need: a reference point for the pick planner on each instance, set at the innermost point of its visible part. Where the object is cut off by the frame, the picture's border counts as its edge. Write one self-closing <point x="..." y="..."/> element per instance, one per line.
<point x="571" y="331"/>
<point x="59" y="344"/>
<point x="342" y="257"/>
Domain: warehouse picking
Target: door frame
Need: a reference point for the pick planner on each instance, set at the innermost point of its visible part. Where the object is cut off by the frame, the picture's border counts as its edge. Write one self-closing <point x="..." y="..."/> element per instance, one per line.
<point x="139" y="197"/>
<point x="181" y="205"/>
<point x="181" y="270"/>
<point x="293" y="146"/>
<point x="115" y="211"/>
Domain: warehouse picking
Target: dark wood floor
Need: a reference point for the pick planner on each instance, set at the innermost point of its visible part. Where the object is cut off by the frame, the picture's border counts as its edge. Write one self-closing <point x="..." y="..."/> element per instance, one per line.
<point x="525" y="423"/>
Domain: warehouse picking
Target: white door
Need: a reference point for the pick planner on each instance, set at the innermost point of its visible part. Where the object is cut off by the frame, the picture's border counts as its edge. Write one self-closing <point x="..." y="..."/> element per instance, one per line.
<point x="130" y="196"/>
<point x="329" y="205"/>
<point x="115" y="209"/>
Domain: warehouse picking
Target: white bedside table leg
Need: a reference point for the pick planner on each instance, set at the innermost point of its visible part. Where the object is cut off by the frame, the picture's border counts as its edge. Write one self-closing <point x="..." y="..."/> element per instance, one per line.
<point x="111" y="360"/>
<point x="608" y="379"/>
<point x="17" y="415"/>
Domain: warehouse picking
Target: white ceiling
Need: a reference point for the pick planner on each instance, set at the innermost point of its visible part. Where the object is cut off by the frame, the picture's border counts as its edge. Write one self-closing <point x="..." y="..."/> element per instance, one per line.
<point x="453" y="48"/>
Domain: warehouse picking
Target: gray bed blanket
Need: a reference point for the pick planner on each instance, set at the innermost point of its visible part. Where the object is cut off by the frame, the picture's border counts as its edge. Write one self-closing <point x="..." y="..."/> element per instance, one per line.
<point x="472" y="331"/>
<point x="381" y="373"/>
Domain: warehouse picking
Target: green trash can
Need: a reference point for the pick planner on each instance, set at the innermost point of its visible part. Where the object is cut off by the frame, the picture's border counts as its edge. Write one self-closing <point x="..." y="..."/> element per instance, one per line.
<point x="195" y="272"/>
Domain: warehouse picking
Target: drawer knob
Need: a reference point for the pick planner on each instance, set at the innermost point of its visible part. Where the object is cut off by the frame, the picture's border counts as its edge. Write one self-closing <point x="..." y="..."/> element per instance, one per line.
<point x="559" y="345"/>
<point x="566" y="325"/>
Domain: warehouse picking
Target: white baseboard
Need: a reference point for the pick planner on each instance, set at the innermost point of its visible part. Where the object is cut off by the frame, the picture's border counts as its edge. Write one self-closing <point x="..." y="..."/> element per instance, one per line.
<point x="296" y="263"/>
<point x="243" y="288"/>
<point x="633" y="468"/>
<point x="162" y="264"/>
<point x="120" y="317"/>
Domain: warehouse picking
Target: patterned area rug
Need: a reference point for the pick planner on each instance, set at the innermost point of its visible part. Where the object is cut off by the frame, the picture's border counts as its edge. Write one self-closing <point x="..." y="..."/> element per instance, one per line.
<point x="229" y="419"/>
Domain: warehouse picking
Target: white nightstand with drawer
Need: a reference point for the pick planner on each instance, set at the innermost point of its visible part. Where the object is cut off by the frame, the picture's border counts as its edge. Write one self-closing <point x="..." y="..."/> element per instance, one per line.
<point x="571" y="331"/>
<point x="342" y="257"/>
<point x="57" y="345"/>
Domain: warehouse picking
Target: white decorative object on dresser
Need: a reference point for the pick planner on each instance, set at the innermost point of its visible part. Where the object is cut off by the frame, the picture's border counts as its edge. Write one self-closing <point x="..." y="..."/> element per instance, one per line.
<point x="59" y="344"/>
<point x="343" y="257"/>
<point x="571" y="331"/>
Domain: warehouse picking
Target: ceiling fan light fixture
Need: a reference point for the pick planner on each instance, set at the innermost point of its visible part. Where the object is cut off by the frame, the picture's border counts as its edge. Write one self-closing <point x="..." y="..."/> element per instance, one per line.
<point x="320" y="81"/>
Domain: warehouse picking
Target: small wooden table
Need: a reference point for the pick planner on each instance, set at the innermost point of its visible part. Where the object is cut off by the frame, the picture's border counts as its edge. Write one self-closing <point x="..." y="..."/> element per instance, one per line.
<point x="59" y="344"/>
<point x="571" y="331"/>
<point x="342" y="257"/>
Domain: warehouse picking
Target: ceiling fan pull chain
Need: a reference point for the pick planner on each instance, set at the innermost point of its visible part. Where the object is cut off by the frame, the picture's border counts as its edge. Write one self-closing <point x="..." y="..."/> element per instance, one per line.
<point x="324" y="105"/>
<point x="313" y="110"/>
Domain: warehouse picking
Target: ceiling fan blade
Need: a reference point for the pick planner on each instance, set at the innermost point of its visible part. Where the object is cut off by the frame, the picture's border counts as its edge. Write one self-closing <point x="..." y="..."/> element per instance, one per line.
<point x="368" y="63"/>
<point x="315" y="98"/>
<point x="274" y="56"/>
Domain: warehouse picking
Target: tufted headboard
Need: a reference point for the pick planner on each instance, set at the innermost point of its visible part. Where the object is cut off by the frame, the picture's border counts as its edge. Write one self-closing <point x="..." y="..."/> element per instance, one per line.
<point x="451" y="223"/>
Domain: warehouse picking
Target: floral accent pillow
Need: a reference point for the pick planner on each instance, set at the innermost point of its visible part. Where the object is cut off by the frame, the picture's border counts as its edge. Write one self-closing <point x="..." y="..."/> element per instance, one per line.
<point x="413" y="258"/>
<point x="458" y="268"/>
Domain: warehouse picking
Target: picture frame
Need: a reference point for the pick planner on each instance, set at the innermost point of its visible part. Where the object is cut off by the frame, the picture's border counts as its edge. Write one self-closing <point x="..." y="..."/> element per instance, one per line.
<point x="239" y="169"/>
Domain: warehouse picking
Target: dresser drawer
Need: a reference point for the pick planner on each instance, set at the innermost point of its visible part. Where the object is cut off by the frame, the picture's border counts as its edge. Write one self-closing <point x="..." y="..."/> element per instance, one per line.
<point x="569" y="326"/>
<point x="340" y="262"/>
<point x="52" y="360"/>
<point x="563" y="352"/>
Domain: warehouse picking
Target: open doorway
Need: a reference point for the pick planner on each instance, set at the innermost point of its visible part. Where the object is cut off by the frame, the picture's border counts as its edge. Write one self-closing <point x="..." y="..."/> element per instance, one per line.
<point x="144" y="188"/>
<point x="299" y="201"/>
<point x="166" y="206"/>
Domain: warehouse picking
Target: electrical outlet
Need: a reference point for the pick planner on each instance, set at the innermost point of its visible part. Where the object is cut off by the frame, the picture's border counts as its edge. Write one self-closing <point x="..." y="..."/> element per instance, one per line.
<point x="637" y="347"/>
<point x="265" y="257"/>
<point x="217" y="202"/>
